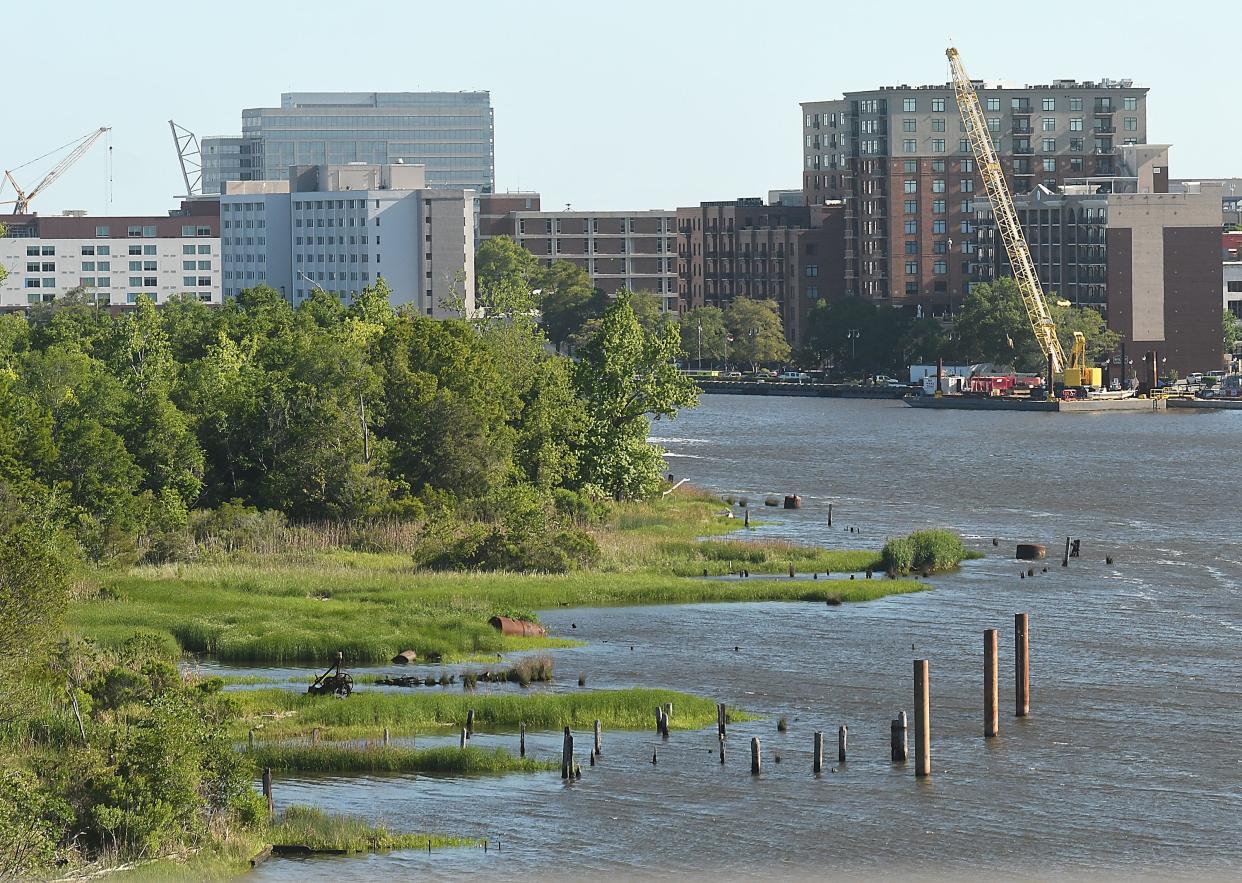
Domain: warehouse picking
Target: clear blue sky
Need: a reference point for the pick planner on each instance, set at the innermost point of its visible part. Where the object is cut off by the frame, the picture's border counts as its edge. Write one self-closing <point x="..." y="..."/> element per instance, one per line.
<point x="615" y="105"/>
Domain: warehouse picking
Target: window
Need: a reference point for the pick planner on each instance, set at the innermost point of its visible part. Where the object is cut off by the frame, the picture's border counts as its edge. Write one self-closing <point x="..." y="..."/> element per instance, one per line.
<point x="938" y="185"/>
<point x="940" y="268"/>
<point x="204" y="265"/>
<point x="909" y="125"/>
<point x="938" y="206"/>
<point x="135" y="282"/>
<point x="150" y="282"/>
<point x="812" y="269"/>
<point x="1050" y="164"/>
<point x="101" y="232"/>
<point x="1131" y="124"/>
<point x="187" y="265"/>
<point x="187" y="249"/>
<point x="1233" y="285"/>
<point x="993" y="104"/>
<point x="187" y="281"/>
<point x="103" y="249"/>
<point x="911" y="227"/>
<point x="204" y="281"/>
<point x="135" y="266"/>
<point x="993" y="124"/>
<point x="937" y="105"/>
<point x="939" y="226"/>
<point x="1075" y="124"/>
<point x="963" y="146"/>
<point x="1075" y="104"/>
<point x="911" y="207"/>
<point x="88" y="249"/>
<point x="1130" y="103"/>
<point x="938" y="124"/>
<point x="148" y="249"/>
<point x="1076" y="164"/>
<point x="910" y="186"/>
<point x="909" y="105"/>
<point x="32" y="283"/>
<point x="103" y="265"/>
<point x="1049" y="124"/>
<point x="909" y="166"/>
<point x="909" y="145"/>
<point x="135" y="250"/>
<point x="912" y="268"/>
<point x="912" y="246"/>
<point x="103" y="282"/>
<point x="188" y="231"/>
<point x="204" y="249"/>
<point x="940" y="246"/>
<point x="966" y="185"/>
<point x="48" y="251"/>
<point x="937" y="165"/>
<point x="1076" y="145"/>
<point x="1050" y="104"/>
<point x="32" y="266"/>
<point x="88" y="267"/>
<point x="937" y="145"/>
<point x="1050" y="145"/>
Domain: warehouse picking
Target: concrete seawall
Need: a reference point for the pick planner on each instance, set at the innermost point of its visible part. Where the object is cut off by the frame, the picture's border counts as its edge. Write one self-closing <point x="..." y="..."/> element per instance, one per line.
<point x="777" y="388"/>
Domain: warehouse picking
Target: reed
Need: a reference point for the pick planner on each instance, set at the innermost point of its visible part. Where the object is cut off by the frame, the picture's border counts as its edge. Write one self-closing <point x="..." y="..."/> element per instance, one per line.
<point x="319" y="831"/>
<point x="372" y="758"/>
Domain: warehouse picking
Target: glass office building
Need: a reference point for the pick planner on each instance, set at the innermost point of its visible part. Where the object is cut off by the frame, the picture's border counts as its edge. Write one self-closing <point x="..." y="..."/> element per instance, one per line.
<point x="451" y="133"/>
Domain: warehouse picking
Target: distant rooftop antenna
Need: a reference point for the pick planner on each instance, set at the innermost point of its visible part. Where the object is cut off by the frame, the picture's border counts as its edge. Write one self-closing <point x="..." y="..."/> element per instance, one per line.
<point x="190" y="158"/>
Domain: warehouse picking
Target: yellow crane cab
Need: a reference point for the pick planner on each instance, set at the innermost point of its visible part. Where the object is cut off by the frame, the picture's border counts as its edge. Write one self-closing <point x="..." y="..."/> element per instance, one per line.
<point x="1078" y="372"/>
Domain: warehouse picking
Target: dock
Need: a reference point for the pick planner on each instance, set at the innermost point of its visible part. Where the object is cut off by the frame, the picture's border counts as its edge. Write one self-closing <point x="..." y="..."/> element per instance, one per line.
<point x="1007" y="403"/>
<point x="1206" y="404"/>
<point x="785" y="388"/>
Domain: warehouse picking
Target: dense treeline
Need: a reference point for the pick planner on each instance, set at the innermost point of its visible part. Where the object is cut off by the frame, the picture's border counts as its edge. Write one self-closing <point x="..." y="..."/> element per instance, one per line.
<point x="121" y="425"/>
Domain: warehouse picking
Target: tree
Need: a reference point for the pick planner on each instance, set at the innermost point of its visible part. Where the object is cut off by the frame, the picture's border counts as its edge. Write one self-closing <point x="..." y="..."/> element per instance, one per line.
<point x="757" y="330"/>
<point x="568" y="298"/>
<point x="1101" y="342"/>
<point x="992" y="326"/>
<point x="648" y="309"/>
<point x="504" y="278"/>
<point x="704" y="336"/>
<point x="1231" y="331"/>
<point x="625" y="376"/>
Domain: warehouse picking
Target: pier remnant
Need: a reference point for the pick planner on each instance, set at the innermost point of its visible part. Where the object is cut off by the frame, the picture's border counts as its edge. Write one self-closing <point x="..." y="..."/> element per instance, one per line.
<point x="267" y="790"/>
<point x="793" y="501"/>
<point x="897" y="740"/>
<point x="567" y="754"/>
<point x="755" y="751"/>
<point x="599" y="742"/>
<point x="817" y="763"/>
<point x="922" y="720"/>
<point x="1030" y="551"/>
<point x="843" y="738"/>
<point x="991" y="694"/>
<point x="1022" y="665"/>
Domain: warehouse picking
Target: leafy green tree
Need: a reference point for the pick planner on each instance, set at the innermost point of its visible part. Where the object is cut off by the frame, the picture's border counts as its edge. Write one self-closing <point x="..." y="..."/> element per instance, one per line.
<point x="505" y="276"/>
<point x="704" y="336"/>
<point x="1101" y="342"/>
<point x="625" y="377"/>
<point x="992" y="326"/>
<point x="567" y="300"/>
<point x="758" y="332"/>
<point x="1231" y="331"/>
<point x="649" y="310"/>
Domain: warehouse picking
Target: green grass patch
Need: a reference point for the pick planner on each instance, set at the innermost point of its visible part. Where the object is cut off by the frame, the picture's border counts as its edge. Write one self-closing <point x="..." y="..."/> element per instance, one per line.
<point x="281" y="610"/>
<point x="280" y="714"/>
<point x="393" y="759"/>
<point x="318" y="831"/>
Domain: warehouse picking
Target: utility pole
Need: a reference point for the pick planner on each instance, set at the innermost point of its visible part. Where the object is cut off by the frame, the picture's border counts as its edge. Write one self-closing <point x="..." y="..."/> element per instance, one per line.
<point x="700" y="330"/>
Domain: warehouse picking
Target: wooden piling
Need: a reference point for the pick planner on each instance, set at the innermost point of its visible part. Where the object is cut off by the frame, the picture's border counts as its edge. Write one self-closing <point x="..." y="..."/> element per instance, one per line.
<point x="315" y="735"/>
<point x="470" y="720"/>
<point x="991" y="694"/>
<point x="522" y="740"/>
<point x="250" y="740"/>
<point x="1065" y="559"/>
<point x="898" y="743"/>
<point x="267" y="790"/>
<point x="1022" y="665"/>
<point x="830" y="515"/>
<point x="722" y="751"/>
<point x="567" y="754"/>
<point x="817" y="753"/>
<point x="385" y="737"/>
<point x="754" y="755"/>
<point x="720" y="720"/>
<point x="599" y="744"/>
<point x="922" y="720"/>
<point x="843" y="738"/>
<point x="464" y="737"/>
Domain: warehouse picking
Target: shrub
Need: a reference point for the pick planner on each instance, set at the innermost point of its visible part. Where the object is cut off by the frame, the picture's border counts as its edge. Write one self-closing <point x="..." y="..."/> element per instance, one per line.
<point x="923" y="550"/>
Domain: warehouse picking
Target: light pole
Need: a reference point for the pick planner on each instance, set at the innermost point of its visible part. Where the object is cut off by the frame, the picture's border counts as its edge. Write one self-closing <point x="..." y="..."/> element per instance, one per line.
<point x="699" y="326"/>
<point x="852" y="335"/>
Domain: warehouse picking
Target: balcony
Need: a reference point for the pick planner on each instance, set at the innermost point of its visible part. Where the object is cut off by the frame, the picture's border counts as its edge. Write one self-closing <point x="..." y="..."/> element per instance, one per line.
<point x="1023" y="151"/>
<point x="1104" y="130"/>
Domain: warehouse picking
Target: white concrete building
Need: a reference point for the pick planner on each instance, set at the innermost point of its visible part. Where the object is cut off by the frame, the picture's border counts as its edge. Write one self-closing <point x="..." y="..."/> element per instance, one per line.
<point x="339" y="228"/>
<point x="116" y="258"/>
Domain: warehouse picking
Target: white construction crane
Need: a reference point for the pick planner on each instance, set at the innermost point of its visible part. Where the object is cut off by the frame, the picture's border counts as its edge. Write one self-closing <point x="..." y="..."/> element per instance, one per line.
<point x="190" y="157"/>
<point x="21" y="205"/>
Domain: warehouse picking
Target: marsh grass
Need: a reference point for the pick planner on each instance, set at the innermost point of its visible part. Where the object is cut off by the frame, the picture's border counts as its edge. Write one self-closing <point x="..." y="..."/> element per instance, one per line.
<point x="319" y="831"/>
<point x="280" y="714"/>
<point x="369" y="605"/>
<point x="374" y="758"/>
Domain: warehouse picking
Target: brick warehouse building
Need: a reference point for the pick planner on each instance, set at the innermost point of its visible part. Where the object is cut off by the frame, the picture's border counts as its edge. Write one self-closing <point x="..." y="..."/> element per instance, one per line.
<point x="899" y="160"/>
<point x="792" y="254"/>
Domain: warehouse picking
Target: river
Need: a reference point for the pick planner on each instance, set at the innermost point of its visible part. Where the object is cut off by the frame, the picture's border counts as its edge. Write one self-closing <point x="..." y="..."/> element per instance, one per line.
<point x="1129" y="765"/>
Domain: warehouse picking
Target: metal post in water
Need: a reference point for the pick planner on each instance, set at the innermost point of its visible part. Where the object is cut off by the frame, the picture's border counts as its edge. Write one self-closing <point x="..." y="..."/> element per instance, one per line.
<point x="922" y="720"/>
<point x="1022" y="665"/>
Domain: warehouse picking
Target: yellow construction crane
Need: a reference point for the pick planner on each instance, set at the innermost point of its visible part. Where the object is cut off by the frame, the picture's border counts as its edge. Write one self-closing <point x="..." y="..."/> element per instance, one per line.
<point x="1006" y="216"/>
<point x="21" y="205"/>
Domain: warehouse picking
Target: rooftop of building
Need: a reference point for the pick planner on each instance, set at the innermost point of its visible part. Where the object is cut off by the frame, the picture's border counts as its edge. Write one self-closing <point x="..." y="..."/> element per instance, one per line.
<point x="991" y="85"/>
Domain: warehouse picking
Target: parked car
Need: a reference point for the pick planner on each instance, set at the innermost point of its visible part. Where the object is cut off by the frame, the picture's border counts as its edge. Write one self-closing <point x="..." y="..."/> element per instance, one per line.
<point x="795" y="377"/>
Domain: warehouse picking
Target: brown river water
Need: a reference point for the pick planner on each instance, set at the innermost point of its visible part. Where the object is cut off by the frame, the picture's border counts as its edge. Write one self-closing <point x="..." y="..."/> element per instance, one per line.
<point x="1130" y="764"/>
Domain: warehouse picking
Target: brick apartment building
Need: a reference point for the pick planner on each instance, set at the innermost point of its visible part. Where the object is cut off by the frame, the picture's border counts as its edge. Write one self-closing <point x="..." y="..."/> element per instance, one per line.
<point x="792" y="254"/>
<point x="899" y="159"/>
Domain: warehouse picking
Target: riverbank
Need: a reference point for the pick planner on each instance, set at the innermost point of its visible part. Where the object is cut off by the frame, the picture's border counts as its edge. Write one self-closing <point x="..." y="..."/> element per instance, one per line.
<point x="304" y="608"/>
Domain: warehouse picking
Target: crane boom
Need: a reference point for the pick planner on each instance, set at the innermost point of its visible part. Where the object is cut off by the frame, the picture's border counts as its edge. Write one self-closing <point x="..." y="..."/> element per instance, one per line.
<point x="22" y="203"/>
<point x="1006" y="215"/>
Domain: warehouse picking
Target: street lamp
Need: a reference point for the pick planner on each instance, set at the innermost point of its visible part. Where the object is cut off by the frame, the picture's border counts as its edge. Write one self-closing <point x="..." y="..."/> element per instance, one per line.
<point x="852" y="335"/>
<point x="700" y="331"/>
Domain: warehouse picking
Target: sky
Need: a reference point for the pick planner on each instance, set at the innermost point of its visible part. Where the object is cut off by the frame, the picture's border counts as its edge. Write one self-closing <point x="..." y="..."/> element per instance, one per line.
<point x="618" y="105"/>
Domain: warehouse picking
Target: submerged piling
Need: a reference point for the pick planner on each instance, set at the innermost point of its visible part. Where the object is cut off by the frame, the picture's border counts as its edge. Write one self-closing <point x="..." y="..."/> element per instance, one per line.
<point x="755" y="751"/>
<point x="991" y="690"/>
<point x="267" y="790"/>
<point x="567" y="754"/>
<point x="843" y="738"/>
<point x="922" y="720"/>
<point x="817" y="754"/>
<point x="599" y="744"/>
<point x="897" y="740"/>
<point x="720" y="720"/>
<point x="522" y="740"/>
<point x="1022" y="665"/>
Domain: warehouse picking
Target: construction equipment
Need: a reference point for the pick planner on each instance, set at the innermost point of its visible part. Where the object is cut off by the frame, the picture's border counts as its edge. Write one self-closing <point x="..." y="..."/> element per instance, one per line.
<point x="1006" y="215"/>
<point x="21" y="205"/>
<point x="1078" y="372"/>
<point x="190" y="158"/>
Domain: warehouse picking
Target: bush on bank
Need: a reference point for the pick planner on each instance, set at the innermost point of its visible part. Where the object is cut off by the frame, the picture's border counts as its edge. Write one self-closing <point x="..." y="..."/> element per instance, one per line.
<point x="924" y="551"/>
